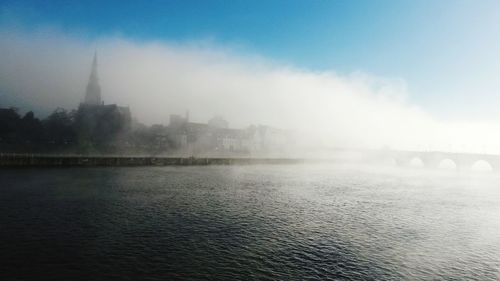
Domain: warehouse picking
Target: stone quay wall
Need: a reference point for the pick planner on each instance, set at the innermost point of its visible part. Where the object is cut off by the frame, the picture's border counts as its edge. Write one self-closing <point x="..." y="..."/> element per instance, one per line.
<point x="32" y="160"/>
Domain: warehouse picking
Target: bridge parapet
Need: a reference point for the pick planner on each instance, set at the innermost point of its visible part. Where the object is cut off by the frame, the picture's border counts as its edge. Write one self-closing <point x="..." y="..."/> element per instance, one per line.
<point x="433" y="159"/>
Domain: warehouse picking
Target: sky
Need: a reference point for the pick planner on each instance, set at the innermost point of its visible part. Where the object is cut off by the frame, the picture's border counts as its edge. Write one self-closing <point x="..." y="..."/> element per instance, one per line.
<point x="435" y="59"/>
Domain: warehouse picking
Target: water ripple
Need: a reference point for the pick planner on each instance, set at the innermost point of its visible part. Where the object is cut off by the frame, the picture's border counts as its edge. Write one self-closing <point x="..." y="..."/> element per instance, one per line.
<point x="248" y="223"/>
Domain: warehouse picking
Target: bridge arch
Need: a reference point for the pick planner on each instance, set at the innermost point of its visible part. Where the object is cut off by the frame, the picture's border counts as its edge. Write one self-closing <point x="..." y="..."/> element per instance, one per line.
<point x="447" y="164"/>
<point x="416" y="161"/>
<point x="481" y="165"/>
<point x="446" y="160"/>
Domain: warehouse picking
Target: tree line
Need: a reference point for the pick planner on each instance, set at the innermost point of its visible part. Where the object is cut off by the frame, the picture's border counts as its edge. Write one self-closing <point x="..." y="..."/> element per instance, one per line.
<point x="66" y="131"/>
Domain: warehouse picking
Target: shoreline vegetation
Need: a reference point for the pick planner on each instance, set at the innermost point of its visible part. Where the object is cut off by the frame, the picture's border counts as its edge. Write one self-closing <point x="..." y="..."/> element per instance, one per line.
<point x="110" y="130"/>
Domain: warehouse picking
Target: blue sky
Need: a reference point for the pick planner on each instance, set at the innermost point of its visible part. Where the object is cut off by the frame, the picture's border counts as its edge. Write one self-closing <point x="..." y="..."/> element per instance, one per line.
<point x="447" y="51"/>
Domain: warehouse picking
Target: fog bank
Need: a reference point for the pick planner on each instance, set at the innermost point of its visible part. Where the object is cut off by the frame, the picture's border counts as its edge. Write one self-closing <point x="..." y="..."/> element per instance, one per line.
<point x="48" y="69"/>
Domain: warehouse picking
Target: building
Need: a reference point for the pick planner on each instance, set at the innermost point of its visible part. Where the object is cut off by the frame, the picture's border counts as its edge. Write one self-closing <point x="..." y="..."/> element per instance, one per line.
<point x="189" y="137"/>
<point x="218" y="122"/>
<point x="267" y="140"/>
<point x="215" y="138"/>
<point x="93" y="93"/>
<point x="98" y="123"/>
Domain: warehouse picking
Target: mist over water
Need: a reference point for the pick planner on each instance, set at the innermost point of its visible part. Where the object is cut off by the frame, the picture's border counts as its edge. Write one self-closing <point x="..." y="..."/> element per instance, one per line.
<point x="238" y="140"/>
<point x="291" y="222"/>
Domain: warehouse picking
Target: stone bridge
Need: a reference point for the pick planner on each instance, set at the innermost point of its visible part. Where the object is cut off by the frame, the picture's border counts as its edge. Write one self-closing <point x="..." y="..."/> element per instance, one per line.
<point x="433" y="159"/>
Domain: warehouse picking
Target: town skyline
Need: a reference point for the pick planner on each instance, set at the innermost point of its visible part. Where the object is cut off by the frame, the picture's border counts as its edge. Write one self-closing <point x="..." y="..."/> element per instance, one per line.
<point x="96" y="126"/>
<point x="441" y="51"/>
<point x="381" y="84"/>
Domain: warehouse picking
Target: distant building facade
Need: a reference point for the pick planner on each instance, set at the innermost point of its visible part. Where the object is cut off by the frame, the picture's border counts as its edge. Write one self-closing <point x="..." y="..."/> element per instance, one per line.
<point x="215" y="138"/>
<point x="218" y="122"/>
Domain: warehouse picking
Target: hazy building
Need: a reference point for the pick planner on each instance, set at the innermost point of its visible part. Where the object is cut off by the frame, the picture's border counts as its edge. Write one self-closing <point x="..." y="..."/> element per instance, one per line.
<point x="93" y="93"/>
<point x="189" y="137"/>
<point x="212" y="138"/>
<point x="177" y="121"/>
<point x="232" y="140"/>
<point x="96" y="122"/>
<point x="218" y="122"/>
<point x="268" y="140"/>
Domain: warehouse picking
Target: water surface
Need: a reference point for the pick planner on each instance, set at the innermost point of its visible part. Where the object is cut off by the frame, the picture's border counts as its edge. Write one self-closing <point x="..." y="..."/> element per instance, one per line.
<point x="269" y="222"/>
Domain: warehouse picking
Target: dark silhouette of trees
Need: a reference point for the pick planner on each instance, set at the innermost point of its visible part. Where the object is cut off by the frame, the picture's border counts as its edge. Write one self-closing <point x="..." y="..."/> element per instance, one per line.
<point x="59" y="129"/>
<point x="87" y="130"/>
<point x="150" y="140"/>
<point x="10" y="122"/>
<point x="31" y="130"/>
<point x="20" y="134"/>
<point x="94" y="130"/>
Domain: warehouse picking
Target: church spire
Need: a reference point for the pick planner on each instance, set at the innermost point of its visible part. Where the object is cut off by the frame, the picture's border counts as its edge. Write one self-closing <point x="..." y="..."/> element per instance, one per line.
<point x="94" y="65"/>
<point x="93" y="94"/>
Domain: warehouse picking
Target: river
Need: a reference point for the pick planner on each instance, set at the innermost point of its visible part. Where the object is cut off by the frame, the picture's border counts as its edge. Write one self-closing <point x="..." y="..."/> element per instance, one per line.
<point x="255" y="222"/>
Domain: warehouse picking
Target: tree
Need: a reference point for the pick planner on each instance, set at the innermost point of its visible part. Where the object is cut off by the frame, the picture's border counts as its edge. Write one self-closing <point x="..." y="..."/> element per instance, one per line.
<point x="9" y="124"/>
<point x="31" y="130"/>
<point x="59" y="129"/>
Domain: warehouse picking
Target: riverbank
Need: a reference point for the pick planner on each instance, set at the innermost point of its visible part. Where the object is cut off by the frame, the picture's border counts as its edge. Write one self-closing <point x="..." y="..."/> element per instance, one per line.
<point x="31" y="160"/>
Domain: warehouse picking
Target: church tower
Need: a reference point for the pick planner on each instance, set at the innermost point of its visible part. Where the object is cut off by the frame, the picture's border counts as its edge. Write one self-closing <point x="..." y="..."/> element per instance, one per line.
<point x="93" y="94"/>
